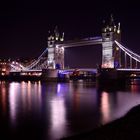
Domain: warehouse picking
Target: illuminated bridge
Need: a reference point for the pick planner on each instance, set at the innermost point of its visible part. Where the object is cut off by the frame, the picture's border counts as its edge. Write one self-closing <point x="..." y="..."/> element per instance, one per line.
<point x="114" y="54"/>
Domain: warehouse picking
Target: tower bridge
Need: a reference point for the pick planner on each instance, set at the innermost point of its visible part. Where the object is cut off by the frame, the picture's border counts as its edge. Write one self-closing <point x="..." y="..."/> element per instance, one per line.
<point x="114" y="54"/>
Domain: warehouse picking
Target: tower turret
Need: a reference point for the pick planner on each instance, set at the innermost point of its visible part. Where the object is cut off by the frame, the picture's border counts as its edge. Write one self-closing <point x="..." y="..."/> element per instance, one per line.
<point x="55" y="53"/>
<point x="110" y="52"/>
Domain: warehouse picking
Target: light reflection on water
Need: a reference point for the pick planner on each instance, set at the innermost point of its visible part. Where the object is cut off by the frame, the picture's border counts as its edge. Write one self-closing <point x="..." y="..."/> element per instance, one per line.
<point x="105" y="107"/>
<point x="58" y="118"/>
<point x="13" y="101"/>
<point x="56" y="110"/>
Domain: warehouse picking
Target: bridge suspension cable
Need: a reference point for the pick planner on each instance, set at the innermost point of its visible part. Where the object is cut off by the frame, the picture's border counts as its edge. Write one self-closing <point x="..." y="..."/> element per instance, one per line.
<point x="34" y="63"/>
<point x="131" y="54"/>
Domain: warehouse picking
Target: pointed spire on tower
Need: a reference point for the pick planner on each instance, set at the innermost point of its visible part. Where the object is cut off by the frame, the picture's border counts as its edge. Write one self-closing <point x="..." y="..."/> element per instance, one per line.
<point x="111" y="20"/>
<point x="104" y="25"/>
<point x="63" y="34"/>
<point x="62" y="38"/>
<point x="119" y="28"/>
<point x="56" y="29"/>
<point x="49" y="35"/>
<point x="56" y="32"/>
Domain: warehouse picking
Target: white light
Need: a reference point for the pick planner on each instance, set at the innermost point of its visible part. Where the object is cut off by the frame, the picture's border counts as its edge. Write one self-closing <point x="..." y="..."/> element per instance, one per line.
<point x="3" y="69"/>
<point x="56" y="46"/>
<point x="62" y="48"/>
<point x="56" y="38"/>
<point x="62" y="39"/>
<point x="118" y="31"/>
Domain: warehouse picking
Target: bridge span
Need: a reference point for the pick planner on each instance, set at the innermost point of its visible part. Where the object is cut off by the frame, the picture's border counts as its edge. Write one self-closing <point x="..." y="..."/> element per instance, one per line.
<point x="117" y="60"/>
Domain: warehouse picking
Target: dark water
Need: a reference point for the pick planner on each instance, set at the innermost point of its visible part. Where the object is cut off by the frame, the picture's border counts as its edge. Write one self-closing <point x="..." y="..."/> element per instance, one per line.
<point x="43" y="111"/>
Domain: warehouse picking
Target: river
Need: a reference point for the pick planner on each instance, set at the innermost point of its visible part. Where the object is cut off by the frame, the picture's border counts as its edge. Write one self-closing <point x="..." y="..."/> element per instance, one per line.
<point x="50" y="111"/>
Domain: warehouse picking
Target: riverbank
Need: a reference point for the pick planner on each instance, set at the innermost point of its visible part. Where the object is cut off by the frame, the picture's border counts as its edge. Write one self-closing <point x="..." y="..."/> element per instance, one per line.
<point x="125" y="128"/>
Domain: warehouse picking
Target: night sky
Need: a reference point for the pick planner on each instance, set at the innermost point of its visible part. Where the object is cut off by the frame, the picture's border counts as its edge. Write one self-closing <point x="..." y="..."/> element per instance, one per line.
<point x="24" y="24"/>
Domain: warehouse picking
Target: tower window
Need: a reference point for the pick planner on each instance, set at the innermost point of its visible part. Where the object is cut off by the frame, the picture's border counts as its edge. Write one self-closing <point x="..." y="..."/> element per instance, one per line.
<point x="107" y="35"/>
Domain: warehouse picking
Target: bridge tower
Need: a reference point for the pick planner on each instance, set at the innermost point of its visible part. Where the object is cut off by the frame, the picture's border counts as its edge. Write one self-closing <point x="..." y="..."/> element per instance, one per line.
<point x="111" y="55"/>
<point x="55" y="50"/>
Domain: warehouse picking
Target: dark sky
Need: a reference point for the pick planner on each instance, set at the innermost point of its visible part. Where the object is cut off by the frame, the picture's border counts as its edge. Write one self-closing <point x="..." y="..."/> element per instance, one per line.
<point x="24" y="24"/>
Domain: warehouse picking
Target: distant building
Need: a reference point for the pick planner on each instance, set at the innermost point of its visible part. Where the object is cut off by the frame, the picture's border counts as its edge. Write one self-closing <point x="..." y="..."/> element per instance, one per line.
<point x="4" y="67"/>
